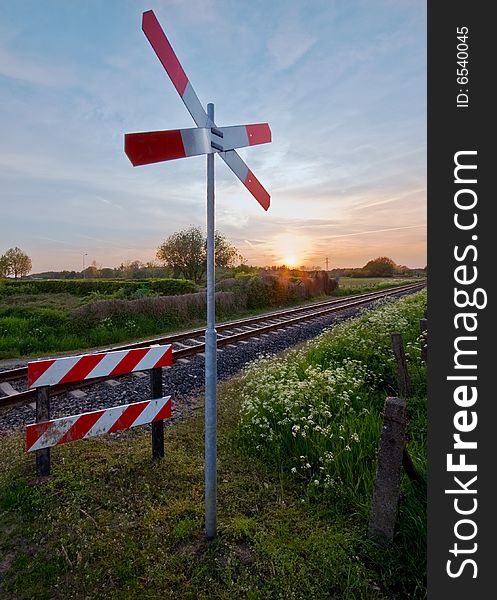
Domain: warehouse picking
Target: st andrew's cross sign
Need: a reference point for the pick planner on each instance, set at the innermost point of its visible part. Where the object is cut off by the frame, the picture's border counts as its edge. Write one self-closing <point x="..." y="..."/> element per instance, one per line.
<point x="156" y="146"/>
<point x="206" y="138"/>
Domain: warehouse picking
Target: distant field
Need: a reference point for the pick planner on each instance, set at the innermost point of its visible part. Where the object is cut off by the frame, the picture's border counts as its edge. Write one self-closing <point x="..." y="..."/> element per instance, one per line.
<point x="360" y="282"/>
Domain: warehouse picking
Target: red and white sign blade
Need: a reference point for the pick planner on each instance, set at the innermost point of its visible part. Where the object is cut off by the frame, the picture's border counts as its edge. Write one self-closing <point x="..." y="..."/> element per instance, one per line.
<point x="158" y="146"/>
<point x="153" y="146"/>
<point x="241" y="136"/>
<point x="165" y="53"/>
<point x="245" y="175"/>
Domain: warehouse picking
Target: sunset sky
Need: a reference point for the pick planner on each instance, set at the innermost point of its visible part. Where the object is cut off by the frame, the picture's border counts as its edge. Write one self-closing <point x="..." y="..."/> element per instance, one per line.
<point x="342" y="84"/>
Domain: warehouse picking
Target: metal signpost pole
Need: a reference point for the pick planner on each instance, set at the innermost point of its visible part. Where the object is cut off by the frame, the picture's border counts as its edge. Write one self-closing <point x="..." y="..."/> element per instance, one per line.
<point x="155" y="146"/>
<point x="210" y="358"/>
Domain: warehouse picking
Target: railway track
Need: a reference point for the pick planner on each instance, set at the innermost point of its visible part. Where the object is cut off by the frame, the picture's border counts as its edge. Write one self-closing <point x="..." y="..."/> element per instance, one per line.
<point x="13" y="382"/>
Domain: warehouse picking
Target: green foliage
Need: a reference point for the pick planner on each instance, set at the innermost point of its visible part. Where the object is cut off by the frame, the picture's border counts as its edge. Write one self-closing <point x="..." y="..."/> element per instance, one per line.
<point x="185" y="252"/>
<point x="380" y="267"/>
<point x="18" y="495"/>
<point x="316" y="412"/>
<point x="358" y="285"/>
<point x="4" y="266"/>
<point x="84" y="287"/>
<point x="15" y="262"/>
<point x="278" y="288"/>
<point x="31" y="329"/>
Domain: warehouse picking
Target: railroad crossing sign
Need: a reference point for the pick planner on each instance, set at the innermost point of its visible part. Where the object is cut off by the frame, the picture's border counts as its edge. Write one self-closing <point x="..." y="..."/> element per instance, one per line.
<point x="156" y="146"/>
<point x="206" y="138"/>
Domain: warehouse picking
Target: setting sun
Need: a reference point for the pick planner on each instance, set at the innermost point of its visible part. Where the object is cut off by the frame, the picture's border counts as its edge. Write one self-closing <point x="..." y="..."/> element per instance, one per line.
<point x="290" y="260"/>
<point x="290" y="250"/>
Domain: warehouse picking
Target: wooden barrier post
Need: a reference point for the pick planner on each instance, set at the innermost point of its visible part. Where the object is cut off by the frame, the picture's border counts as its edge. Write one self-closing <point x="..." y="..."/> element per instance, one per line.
<point x="403" y="381"/>
<point x="43" y="414"/>
<point x="157" y="426"/>
<point x="385" y="502"/>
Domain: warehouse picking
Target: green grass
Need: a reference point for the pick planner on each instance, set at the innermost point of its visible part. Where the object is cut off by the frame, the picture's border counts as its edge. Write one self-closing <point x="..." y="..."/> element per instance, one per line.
<point x="357" y="285"/>
<point x="111" y="523"/>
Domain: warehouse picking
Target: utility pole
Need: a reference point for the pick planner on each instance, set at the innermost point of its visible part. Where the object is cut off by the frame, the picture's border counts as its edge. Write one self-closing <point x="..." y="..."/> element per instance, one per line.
<point x="326" y="264"/>
<point x="84" y="254"/>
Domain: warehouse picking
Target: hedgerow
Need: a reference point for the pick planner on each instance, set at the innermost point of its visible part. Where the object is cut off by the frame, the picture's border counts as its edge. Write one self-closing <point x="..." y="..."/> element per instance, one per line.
<point x="83" y="287"/>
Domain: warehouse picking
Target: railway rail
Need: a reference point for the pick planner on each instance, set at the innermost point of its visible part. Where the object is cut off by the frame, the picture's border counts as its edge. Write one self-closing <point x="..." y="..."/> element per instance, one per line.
<point x="186" y="344"/>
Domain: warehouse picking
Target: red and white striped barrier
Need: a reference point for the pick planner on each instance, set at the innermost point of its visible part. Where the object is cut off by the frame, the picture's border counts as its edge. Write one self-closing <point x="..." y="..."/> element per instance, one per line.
<point x="86" y="425"/>
<point x="103" y="364"/>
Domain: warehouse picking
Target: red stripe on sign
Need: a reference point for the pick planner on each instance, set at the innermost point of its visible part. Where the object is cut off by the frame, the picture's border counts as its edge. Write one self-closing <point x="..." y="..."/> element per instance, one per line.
<point x="129" y="416"/>
<point x="255" y="187"/>
<point x="34" y="433"/>
<point x="166" y="360"/>
<point x="258" y="134"/>
<point x="129" y="362"/>
<point x="165" y="53"/>
<point x="164" y="413"/>
<point x="81" y="369"/>
<point x="81" y="427"/>
<point x="36" y="369"/>
<point x="153" y="146"/>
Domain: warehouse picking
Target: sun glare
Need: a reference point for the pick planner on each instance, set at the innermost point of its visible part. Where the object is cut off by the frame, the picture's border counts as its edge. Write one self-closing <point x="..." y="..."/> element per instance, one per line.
<point x="290" y="250"/>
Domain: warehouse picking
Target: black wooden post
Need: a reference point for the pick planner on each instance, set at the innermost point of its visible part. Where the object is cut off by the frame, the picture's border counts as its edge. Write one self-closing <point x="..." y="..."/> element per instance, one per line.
<point x="403" y="380"/>
<point x="157" y="426"/>
<point x="386" y="493"/>
<point x="404" y="385"/>
<point x="423" y="325"/>
<point x="43" y="414"/>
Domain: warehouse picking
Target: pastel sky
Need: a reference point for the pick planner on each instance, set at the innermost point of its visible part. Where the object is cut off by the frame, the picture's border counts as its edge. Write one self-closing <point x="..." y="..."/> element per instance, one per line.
<point x="342" y="84"/>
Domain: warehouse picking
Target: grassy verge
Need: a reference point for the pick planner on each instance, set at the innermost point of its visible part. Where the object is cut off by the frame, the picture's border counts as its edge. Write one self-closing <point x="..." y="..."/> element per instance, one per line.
<point x="110" y="523"/>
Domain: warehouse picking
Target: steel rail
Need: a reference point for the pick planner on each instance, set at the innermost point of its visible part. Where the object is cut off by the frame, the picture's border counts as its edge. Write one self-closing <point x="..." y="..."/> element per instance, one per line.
<point x="198" y="348"/>
<point x="19" y="372"/>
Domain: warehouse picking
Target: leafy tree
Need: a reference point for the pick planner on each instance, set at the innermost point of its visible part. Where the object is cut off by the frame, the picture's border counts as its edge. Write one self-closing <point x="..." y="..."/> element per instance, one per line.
<point x="4" y="266"/>
<point x="380" y="267"/>
<point x="18" y="262"/>
<point x="186" y="253"/>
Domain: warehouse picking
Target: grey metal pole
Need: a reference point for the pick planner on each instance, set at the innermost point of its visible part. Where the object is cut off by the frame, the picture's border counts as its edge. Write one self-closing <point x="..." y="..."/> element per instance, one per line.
<point x="210" y="359"/>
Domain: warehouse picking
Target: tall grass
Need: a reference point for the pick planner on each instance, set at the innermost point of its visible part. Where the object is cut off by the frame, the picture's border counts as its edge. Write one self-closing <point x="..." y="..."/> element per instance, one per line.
<point x="316" y="412"/>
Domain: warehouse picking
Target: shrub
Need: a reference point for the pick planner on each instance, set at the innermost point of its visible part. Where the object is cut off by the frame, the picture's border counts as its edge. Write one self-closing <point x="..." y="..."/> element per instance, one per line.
<point x="164" y="310"/>
<point x="258" y="293"/>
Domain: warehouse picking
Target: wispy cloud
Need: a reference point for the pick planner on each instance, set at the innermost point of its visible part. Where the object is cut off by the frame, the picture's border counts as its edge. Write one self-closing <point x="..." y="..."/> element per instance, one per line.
<point x="38" y="72"/>
<point x="289" y="42"/>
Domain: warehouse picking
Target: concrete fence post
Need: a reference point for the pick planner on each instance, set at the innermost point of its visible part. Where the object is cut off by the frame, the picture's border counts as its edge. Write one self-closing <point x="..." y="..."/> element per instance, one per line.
<point x="385" y="502"/>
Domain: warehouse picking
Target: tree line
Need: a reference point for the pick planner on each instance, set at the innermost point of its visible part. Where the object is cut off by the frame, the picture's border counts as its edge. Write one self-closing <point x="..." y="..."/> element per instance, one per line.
<point x="184" y="255"/>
